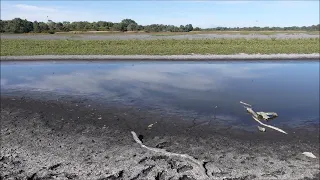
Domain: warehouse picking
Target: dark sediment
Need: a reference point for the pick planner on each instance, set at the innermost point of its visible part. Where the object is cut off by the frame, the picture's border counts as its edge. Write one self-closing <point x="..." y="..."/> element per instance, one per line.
<point x="67" y="140"/>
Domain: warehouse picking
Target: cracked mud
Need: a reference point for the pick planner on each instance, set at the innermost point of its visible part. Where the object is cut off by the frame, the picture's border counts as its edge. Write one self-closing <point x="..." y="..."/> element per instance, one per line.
<point x="59" y="140"/>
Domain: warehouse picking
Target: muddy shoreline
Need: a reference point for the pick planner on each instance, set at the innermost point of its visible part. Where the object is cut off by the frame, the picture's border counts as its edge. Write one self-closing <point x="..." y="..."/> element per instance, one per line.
<point x="69" y="140"/>
<point x="192" y="57"/>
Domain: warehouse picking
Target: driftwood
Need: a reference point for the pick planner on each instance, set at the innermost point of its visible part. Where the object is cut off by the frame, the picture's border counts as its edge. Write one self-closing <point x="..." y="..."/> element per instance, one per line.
<point x="309" y="154"/>
<point x="267" y="115"/>
<point x="163" y="151"/>
<point x="249" y="110"/>
<point x="269" y="126"/>
<point x="262" y="115"/>
<point x="245" y="104"/>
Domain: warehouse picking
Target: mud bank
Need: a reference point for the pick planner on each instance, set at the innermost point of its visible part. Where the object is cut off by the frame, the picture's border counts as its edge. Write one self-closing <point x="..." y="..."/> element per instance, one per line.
<point x="193" y="57"/>
<point x="70" y="140"/>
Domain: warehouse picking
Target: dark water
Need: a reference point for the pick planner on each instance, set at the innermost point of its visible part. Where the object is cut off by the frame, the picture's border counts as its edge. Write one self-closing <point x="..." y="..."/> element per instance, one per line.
<point x="193" y="89"/>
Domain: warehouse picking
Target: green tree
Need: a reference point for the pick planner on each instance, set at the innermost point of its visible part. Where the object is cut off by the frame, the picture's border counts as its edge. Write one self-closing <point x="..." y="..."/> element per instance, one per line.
<point x="80" y="26"/>
<point x="197" y="29"/>
<point x="58" y="26"/>
<point x="132" y="27"/>
<point x="125" y="23"/>
<point x="182" y="28"/>
<point x="27" y="26"/>
<point x="36" y="27"/>
<point x="102" y="25"/>
<point x="18" y="25"/>
<point x="189" y="27"/>
<point x="117" y="27"/>
<point x="170" y="28"/>
<point x="51" y="25"/>
<point x="176" y="29"/>
<point x="140" y="28"/>
<point x="94" y="26"/>
<point x="43" y="27"/>
<point x="3" y="25"/>
<point x="66" y="26"/>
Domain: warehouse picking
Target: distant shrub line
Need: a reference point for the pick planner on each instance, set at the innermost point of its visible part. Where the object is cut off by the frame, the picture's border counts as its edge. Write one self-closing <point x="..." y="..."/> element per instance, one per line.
<point x="18" y="25"/>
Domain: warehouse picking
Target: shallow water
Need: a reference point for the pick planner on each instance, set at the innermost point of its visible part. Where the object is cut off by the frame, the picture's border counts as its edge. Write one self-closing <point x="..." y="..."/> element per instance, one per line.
<point x="192" y="89"/>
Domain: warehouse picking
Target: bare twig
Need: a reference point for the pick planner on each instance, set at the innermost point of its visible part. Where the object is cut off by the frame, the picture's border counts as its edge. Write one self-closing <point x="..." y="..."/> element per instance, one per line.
<point x="245" y="104"/>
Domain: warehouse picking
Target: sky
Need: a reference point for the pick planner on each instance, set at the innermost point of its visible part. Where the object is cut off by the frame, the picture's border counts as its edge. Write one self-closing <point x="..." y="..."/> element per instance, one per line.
<point x="199" y="13"/>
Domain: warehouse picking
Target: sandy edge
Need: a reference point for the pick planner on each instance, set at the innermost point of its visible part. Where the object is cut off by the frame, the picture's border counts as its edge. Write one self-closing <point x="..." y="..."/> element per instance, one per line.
<point x="314" y="56"/>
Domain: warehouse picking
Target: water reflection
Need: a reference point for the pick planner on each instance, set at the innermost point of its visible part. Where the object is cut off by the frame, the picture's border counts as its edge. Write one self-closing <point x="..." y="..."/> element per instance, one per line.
<point x="290" y="89"/>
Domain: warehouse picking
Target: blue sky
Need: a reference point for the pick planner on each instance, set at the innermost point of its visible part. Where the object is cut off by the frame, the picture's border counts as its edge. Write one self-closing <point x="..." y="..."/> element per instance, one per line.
<point x="202" y="13"/>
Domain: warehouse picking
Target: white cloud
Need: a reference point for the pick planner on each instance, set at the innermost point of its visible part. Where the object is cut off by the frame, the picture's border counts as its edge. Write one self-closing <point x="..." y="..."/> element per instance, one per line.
<point x="195" y="77"/>
<point x="25" y="7"/>
<point x="43" y="13"/>
<point x="229" y="17"/>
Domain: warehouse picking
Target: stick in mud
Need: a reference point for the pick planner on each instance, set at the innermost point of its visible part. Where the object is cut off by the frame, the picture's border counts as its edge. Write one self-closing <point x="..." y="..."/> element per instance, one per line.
<point x="269" y="126"/>
<point x="255" y="116"/>
<point x="163" y="151"/>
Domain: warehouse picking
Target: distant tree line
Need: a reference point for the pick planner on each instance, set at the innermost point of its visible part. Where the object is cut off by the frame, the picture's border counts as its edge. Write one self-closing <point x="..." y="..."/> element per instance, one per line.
<point x="255" y="28"/>
<point x="18" y="25"/>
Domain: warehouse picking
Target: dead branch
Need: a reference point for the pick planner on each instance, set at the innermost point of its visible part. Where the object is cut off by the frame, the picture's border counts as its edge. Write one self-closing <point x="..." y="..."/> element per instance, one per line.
<point x="269" y="126"/>
<point x="246" y="104"/>
<point x="249" y="110"/>
<point x="264" y="115"/>
<point x="163" y="151"/>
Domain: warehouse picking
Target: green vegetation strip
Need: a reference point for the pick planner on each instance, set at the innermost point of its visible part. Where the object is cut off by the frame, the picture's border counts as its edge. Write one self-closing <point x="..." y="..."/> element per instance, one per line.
<point x="158" y="47"/>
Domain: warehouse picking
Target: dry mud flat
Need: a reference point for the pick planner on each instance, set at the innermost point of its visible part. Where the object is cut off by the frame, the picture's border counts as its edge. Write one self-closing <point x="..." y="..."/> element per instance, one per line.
<point x="150" y="36"/>
<point x="70" y="140"/>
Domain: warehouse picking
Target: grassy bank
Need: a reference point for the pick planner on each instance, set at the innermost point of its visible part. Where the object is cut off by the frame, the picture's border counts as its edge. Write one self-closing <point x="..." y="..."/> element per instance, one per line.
<point x="158" y="47"/>
<point x="236" y="32"/>
<point x="177" y="33"/>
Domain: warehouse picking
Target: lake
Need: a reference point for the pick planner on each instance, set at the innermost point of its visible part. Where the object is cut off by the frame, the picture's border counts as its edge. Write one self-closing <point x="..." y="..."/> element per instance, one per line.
<point x="203" y="90"/>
